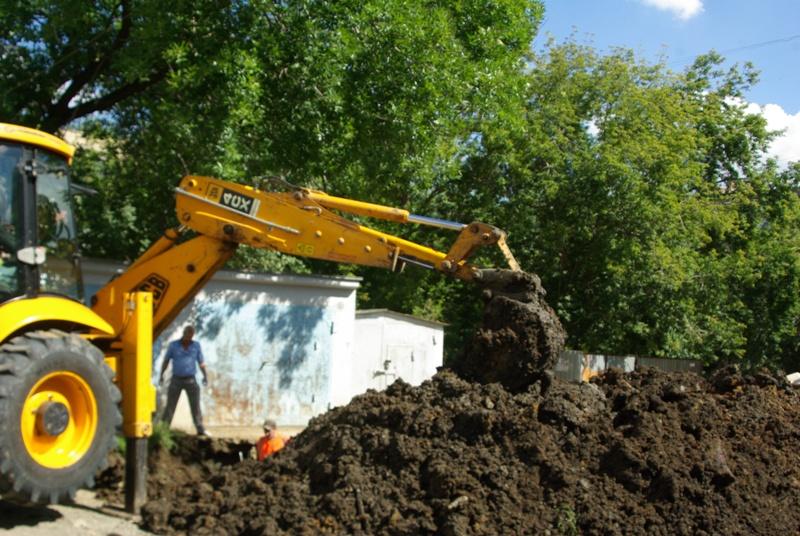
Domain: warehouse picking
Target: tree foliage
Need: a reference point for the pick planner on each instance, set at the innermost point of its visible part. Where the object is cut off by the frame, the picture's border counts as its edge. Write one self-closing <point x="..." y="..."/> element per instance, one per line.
<point x="644" y="200"/>
<point x="362" y="99"/>
<point x="64" y="60"/>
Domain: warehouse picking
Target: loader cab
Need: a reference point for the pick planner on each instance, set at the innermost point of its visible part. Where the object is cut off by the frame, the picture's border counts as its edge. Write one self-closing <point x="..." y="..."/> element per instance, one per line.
<point x="38" y="243"/>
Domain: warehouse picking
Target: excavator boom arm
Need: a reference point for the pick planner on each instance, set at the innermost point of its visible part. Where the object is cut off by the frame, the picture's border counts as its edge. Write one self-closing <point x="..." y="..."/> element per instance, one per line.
<point x="301" y="222"/>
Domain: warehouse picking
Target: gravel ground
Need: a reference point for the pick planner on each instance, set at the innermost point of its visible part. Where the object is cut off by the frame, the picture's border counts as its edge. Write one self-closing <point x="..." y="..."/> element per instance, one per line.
<point x="86" y="517"/>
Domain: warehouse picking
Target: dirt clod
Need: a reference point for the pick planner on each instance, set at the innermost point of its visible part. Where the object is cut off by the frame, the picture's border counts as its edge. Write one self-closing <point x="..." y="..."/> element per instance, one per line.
<point x="520" y="337"/>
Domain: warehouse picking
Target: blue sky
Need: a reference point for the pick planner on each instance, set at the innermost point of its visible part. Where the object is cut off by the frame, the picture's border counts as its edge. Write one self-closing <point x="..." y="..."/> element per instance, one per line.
<point x="765" y="32"/>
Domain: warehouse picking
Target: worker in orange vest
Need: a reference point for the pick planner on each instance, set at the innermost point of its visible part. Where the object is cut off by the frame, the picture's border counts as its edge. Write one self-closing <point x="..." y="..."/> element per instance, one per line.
<point x="271" y="442"/>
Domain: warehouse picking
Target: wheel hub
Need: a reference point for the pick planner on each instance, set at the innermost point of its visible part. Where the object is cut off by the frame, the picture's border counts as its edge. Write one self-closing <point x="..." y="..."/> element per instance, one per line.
<point x="59" y="419"/>
<point x="52" y="418"/>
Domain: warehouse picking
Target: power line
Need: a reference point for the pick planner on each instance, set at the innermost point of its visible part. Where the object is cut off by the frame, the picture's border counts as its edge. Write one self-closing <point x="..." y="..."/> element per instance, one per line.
<point x="742" y="48"/>
<point x="761" y="44"/>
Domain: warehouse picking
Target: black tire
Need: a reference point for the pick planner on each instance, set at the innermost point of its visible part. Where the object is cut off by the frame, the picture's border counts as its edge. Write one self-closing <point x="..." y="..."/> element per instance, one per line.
<point x="24" y="361"/>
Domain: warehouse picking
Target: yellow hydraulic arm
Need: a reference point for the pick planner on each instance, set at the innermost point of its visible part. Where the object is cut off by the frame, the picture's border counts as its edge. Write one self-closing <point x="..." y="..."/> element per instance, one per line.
<point x="300" y="222"/>
<point x="297" y="222"/>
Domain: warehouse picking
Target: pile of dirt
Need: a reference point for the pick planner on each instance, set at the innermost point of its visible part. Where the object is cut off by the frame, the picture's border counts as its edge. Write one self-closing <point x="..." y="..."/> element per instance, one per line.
<point x="504" y="449"/>
<point x="645" y="453"/>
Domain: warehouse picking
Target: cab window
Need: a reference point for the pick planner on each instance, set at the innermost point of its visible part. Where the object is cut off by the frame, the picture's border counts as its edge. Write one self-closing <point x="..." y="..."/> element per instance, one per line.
<point x="10" y="225"/>
<point x="56" y="227"/>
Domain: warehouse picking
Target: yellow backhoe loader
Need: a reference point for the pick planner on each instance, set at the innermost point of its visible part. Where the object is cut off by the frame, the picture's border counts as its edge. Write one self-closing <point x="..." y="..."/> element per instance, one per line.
<point x="70" y="375"/>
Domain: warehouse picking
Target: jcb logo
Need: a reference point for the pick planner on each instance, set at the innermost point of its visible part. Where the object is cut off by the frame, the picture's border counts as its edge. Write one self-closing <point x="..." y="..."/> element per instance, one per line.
<point x="156" y="285"/>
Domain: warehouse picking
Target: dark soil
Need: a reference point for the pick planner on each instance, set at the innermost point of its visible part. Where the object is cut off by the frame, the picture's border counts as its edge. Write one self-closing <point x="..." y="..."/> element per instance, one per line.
<point x="190" y="462"/>
<point x="651" y="452"/>
<point x="645" y="453"/>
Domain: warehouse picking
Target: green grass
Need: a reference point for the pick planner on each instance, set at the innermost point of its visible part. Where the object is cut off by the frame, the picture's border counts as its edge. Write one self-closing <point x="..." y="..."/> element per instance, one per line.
<point x="567" y="523"/>
<point x="122" y="445"/>
<point x="162" y="437"/>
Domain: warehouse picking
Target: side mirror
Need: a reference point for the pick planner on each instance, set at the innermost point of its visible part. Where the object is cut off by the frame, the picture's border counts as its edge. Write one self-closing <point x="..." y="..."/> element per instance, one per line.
<point x="34" y="256"/>
<point x="81" y="189"/>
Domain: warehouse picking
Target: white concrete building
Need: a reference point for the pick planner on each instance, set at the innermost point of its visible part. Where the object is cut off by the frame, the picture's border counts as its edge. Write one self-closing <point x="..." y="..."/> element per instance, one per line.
<point x="392" y="345"/>
<point x="275" y="345"/>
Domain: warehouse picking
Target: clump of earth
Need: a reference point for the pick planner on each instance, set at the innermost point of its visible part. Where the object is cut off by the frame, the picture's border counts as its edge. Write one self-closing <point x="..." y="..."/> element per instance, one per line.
<point x="506" y="450"/>
<point x="520" y="336"/>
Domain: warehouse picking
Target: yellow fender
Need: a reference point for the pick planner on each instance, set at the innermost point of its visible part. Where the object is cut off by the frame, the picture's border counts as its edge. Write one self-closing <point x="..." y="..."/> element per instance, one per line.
<point x="17" y="314"/>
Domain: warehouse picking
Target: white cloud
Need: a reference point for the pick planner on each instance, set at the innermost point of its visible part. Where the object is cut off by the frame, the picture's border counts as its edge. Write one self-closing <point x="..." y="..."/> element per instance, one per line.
<point x="786" y="148"/>
<point x="683" y="9"/>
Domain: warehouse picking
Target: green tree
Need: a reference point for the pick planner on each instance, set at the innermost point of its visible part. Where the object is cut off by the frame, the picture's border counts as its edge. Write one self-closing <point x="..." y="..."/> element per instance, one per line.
<point x="371" y="100"/>
<point x="644" y="200"/>
<point x="65" y="60"/>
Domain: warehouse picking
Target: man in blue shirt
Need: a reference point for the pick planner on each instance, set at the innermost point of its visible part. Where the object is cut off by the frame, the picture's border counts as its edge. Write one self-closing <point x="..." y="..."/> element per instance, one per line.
<point x="186" y="355"/>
